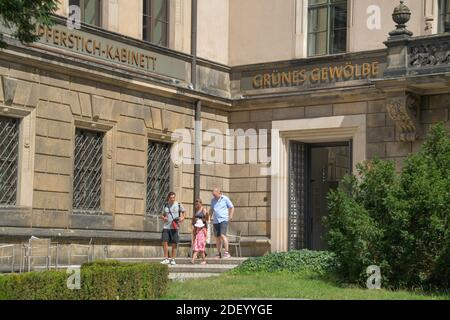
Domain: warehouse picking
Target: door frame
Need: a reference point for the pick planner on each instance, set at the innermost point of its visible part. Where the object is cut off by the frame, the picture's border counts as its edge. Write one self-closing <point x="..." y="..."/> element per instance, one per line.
<point x="310" y="131"/>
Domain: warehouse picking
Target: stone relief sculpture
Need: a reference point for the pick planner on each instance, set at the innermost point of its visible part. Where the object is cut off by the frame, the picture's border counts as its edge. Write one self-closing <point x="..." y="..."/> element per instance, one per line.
<point x="429" y="55"/>
<point x="404" y="111"/>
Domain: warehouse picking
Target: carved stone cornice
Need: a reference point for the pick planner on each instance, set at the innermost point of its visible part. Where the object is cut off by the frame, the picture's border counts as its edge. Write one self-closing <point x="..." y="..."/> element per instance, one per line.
<point x="404" y="110"/>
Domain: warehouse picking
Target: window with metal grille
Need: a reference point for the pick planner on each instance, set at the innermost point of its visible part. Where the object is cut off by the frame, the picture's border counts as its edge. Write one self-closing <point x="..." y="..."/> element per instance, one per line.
<point x="158" y="176"/>
<point x="327" y="27"/>
<point x="9" y="155"/>
<point x="156" y="22"/>
<point x="87" y="177"/>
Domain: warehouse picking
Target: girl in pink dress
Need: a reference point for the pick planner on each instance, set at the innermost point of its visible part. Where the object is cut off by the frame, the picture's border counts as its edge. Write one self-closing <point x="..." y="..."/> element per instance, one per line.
<point x="200" y="233"/>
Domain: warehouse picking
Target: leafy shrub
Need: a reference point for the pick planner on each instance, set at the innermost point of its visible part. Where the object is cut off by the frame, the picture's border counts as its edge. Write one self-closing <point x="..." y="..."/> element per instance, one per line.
<point x="104" y="280"/>
<point x="421" y="212"/>
<point x="352" y="235"/>
<point x="399" y="222"/>
<point x="104" y="263"/>
<point x="294" y="261"/>
<point x="34" y="286"/>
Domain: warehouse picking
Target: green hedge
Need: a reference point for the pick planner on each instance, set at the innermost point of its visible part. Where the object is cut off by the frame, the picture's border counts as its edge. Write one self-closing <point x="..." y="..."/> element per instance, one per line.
<point x="399" y="221"/>
<point x="321" y="262"/>
<point x="103" y="280"/>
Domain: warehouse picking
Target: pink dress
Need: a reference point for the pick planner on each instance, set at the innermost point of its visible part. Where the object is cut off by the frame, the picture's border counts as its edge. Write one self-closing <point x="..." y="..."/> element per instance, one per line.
<point x="200" y="241"/>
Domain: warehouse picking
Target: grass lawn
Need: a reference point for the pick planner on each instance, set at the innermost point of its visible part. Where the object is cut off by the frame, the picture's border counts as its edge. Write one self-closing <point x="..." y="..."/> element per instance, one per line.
<point x="281" y="285"/>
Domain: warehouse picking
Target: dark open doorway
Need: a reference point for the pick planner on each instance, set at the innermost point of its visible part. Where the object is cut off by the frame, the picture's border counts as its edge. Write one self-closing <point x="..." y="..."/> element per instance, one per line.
<point x="314" y="170"/>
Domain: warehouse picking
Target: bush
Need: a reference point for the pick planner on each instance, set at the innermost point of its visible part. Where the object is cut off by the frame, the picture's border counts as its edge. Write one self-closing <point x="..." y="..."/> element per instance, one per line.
<point x="103" y="280"/>
<point x="49" y="285"/>
<point x="421" y="212"/>
<point x="320" y="262"/>
<point x="352" y="236"/>
<point x="399" y="222"/>
<point x="104" y="263"/>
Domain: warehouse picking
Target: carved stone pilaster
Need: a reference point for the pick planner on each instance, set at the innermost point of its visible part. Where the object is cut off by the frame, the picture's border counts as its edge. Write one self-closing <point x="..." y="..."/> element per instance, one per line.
<point x="404" y="110"/>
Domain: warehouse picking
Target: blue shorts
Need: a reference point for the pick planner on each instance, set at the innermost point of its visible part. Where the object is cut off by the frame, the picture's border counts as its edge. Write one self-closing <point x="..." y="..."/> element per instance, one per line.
<point x="221" y="229"/>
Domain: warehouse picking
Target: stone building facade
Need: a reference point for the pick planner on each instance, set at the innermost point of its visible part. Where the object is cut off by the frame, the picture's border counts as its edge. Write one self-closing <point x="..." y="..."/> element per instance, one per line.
<point x="94" y="113"/>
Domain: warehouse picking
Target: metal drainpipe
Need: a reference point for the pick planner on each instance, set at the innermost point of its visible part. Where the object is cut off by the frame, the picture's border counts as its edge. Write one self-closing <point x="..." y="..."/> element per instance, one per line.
<point x="197" y="104"/>
<point x="198" y="150"/>
<point x="194" y="44"/>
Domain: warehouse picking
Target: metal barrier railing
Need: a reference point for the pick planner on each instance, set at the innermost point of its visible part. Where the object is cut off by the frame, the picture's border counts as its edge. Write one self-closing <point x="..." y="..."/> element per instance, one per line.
<point x="5" y="256"/>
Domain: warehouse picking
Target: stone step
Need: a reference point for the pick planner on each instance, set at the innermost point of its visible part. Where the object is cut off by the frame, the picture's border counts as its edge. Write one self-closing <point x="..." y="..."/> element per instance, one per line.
<point x="183" y="272"/>
<point x="183" y="269"/>
<point x="183" y="276"/>
<point x="212" y="268"/>
<point x="232" y="260"/>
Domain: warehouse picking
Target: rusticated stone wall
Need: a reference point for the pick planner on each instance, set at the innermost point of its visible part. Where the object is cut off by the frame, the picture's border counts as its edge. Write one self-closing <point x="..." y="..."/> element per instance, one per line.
<point x="55" y="105"/>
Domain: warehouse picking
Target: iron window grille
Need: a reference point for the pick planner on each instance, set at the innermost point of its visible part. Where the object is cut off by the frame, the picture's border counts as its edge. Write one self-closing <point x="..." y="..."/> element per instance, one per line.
<point x="327" y="27"/>
<point x="155" y="26"/>
<point x="158" y="176"/>
<point x="9" y="159"/>
<point x="296" y="201"/>
<point x="87" y="181"/>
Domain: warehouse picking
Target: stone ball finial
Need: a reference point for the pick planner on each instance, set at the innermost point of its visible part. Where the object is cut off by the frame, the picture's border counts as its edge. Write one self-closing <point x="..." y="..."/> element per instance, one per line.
<point x="401" y="16"/>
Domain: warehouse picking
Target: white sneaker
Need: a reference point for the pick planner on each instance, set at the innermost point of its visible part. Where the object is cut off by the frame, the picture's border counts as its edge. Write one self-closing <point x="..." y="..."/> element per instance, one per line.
<point x="165" y="261"/>
<point x="172" y="262"/>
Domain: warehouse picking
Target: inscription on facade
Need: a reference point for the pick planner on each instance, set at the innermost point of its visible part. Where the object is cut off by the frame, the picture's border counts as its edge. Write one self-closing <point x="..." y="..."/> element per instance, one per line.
<point x="85" y="44"/>
<point x="107" y="49"/>
<point x="316" y="75"/>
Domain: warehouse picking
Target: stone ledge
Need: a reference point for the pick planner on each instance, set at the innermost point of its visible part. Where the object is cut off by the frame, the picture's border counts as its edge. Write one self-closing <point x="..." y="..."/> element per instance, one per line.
<point x="86" y="221"/>
<point x="79" y="234"/>
<point x="104" y="234"/>
<point x="15" y="216"/>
